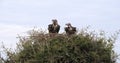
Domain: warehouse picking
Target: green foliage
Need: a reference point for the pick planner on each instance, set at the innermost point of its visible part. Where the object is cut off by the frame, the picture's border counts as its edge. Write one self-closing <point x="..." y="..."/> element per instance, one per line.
<point x="84" y="47"/>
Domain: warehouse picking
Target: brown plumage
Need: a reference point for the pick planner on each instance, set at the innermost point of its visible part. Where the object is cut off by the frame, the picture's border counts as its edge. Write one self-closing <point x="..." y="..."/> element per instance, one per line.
<point x="54" y="27"/>
<point x="70" y="29"/>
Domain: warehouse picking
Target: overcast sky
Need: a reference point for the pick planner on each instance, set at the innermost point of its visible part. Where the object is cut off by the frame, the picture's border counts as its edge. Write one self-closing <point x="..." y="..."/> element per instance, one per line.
<point x="19" y="16"/>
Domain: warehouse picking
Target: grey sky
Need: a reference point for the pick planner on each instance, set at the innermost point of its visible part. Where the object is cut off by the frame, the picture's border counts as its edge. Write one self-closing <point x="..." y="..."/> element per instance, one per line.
<point x="79" y="12"/>
<point x="18" y="16"/>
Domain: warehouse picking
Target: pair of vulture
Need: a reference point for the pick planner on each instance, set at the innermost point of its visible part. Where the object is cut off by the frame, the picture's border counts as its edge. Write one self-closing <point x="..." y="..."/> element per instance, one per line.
<point x="55" y="27"/>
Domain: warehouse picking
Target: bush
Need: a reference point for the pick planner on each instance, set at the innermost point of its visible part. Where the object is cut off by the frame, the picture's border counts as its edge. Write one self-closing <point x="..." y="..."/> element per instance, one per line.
<point x="84" y="47"/>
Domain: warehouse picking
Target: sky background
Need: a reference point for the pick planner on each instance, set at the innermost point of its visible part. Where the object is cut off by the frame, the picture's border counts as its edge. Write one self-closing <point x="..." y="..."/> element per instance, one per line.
<point x="20" y="16"/>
